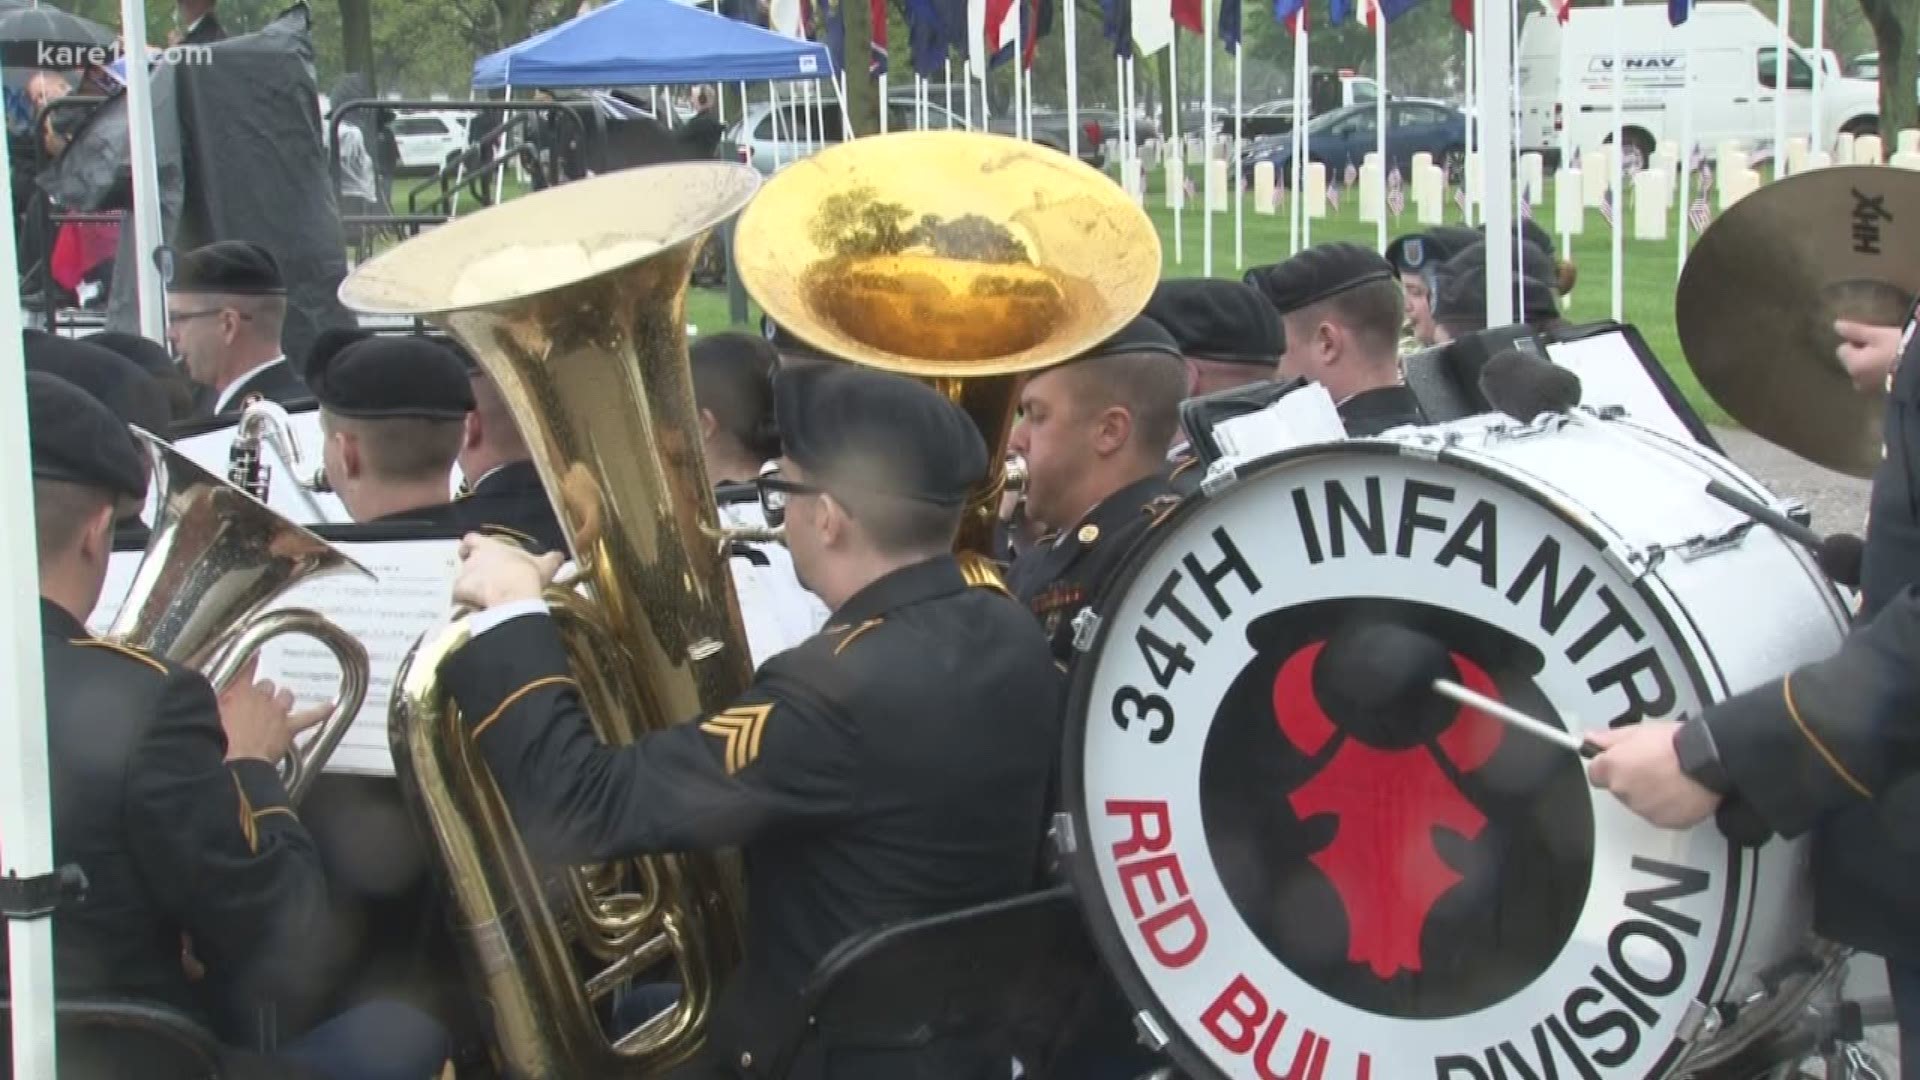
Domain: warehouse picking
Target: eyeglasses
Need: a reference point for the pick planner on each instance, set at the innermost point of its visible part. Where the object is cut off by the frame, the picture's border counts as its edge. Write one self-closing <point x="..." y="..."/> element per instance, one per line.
<point x="774" y="490"/>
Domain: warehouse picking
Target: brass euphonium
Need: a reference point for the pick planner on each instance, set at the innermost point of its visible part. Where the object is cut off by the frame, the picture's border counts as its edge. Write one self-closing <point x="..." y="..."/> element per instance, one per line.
<point x="964" y="259"/>
<point x="573" y="301"/>
<point x="216" y="558"/>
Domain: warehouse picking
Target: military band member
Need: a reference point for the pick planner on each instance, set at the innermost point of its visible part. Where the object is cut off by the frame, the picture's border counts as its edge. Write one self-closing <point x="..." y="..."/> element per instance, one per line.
<point x="1342" y="309"/>
<point x="115" y="382"/>
<point x="1460" y="308"/>
<point x="1417" y="258"/>
<point x="393" y="413"/>
<point x="203" y="885"/>
<point x="893" y="767"/>
<point x="733" y="390"/>
<point x="226" y="306"/>
<point x="503" y="487"/>
<point x="1094" y="433"/>
<point x="1229" y="336"/>
<point x="151" y="357"/>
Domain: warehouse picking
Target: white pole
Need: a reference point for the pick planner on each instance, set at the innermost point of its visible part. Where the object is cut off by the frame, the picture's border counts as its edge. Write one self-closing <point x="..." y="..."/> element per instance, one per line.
<point x="148" y="234"/>
<point x="1295" y="202"/>
<point x="1070" y="28"/>
<point x="1566" y="113"/>
<point x="966" y="88"/>
<point x="1303" y="94"/>
<point x="1179" y="150"/>
<point x="1815" y="131"/>
<point x="1783" y="20"/>
<point x="1023" y="75"/>
<point x="881" y="90"/>
<point x="820" y="112"/>
<point x="1126" y="118"/>
<point x="1233" y="162"/>
<point x="1497" y="142"/>
<point x="1380" y="117"/>
<point x="947" y="77"/>
<point x="1686" y="165"/>
<point x="1133" y="133"/>
<point x="1513" y="125"/>
<point x="1477" y="111"/>
<point x="840" y="98"/>
<point x="1617" y="161"/>
<point x="25" y="812"/>
<point x="1206" y="137"/>
<point x="773" y="113"/>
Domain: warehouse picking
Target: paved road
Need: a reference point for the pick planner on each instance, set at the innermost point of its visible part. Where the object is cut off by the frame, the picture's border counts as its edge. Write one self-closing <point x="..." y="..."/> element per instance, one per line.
<point x="1839" y="504"/>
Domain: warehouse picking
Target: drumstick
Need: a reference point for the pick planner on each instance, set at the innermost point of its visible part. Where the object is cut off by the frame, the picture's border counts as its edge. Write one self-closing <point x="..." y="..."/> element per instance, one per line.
<point x="1515" y="718"/>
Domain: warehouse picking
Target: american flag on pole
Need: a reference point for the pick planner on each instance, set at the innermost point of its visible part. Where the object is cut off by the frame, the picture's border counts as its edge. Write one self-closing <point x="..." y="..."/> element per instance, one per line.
<point x="1350" y="177"/>
<point x="1396" y="194"/>
<point x="1698" y="215"/>
<point x="1606" y="206"/>
<point x="1333" y="197"/>
<point x="1186" y="186"/>
<point x="1526" y="206"/>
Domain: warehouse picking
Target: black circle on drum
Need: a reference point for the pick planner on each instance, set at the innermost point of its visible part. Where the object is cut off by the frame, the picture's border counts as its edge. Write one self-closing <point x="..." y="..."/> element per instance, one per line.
<point x="1084" y="712"/>
<point x="1422" y="874"/>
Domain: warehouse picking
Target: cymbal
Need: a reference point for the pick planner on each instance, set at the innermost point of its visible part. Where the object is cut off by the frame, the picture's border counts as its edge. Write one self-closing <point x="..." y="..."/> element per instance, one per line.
<point x="1761" y="291"/>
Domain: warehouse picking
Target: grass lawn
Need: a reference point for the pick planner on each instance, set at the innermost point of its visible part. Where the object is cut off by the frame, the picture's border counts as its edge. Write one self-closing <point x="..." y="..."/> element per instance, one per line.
<point x="1651" y="276"/>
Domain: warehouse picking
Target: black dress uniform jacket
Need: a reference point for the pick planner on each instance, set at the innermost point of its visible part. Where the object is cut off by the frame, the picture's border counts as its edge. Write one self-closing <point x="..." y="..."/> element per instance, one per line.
<point x="1061" y="574"/>
<point x="1866" y="888"/>
<point x="892" y="767"/>
<point x="512" y="499"/>
<point x="173" y="838"/>
<point x="1373" y="412"/>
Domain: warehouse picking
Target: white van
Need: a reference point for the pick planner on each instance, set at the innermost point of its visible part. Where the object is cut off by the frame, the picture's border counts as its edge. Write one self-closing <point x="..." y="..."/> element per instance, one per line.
<point x="1726" y="50"/>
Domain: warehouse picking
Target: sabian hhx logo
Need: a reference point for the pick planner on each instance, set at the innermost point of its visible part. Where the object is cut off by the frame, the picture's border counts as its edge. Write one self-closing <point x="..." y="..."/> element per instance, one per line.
<point x="741" y="729"/>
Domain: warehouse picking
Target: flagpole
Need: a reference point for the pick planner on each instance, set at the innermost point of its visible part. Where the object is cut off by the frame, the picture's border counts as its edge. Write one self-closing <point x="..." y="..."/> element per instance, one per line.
<point x="946" y="83"/>
<point x="1293" y="143"/>
<point x="1206" y="137"/>
<point x="966" y="91"/>
<point x="1686" y="167"/>
<point x="1380" y="116"/>
<point x="1566" y="132"/>
<point x="1616" y="161"/>
<point x="1179" y="150"/>
<point x="1070" y="27"/>
<point x="1233" y="157"/>
<point x="1814" y="132"/>
<point x="1496" y="136"/>
<point x="1301" y="116"/>
<point x="1520" y="194"/>
<point x="1784" y="18"/>
<point x="1473" y="114"/>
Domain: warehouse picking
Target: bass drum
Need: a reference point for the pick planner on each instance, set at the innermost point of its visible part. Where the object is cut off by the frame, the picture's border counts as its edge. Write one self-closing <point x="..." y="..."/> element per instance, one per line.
<point x="1288" y="887"/>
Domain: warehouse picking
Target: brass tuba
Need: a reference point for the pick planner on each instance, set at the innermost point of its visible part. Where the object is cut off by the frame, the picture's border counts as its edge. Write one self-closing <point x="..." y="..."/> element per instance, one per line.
<point x="217" y="556"/>
<point x="573" y="301"/>
<point x="964" y="259"/>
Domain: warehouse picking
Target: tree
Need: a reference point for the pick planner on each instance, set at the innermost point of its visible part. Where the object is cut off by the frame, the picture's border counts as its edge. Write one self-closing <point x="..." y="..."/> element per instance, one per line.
<point x="356" y="40"/>
<point x="863" y="104"/>
<point x="1894" y="24"/>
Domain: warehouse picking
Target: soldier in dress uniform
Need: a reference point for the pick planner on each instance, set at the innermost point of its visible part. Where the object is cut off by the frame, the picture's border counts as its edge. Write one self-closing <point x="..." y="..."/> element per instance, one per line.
<point x="1230" y="337"/>
<point x="1834" y="747"/>
<point x="393" y="413"/>
<point x="1342" y="310"/>
<point x="503" y="487"/>
<point x="169" y="799"/>
<point x="115" y="382"/>
<point x="893" y="767"/>
<point x="1460" y="306"/>
<point x="175" y="389"/>
<point x="226" y="306"/>
<point x="1094" y="433"/>
<point x="1417" y="258"/>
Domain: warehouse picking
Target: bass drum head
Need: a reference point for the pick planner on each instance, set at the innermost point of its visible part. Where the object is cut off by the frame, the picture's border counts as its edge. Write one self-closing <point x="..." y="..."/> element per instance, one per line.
<point x="1286" y="886"/>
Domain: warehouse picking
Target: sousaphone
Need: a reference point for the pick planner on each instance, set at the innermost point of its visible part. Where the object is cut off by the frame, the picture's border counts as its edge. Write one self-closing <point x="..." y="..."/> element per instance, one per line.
<point x="1761" y="291"/>
<point x="963" y="259"/>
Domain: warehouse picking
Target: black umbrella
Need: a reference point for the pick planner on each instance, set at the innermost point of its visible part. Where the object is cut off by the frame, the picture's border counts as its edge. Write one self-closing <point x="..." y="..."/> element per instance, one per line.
<point x="39" y="23"/>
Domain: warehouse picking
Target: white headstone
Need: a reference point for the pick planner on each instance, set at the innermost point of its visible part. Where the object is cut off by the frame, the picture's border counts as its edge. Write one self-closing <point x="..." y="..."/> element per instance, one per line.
<point x="1796" y="155"/>
<point x="1430" y="193"/>
<point x="1866" y="150"/>
<point x="1596" y="175"/>
<point x="1819" y="159"/>
<point x="1533" y="178"/>
<point x="1372" y="188"/>
<point x="1263" y="189"/>
<point x="1133" y="179"/>
<point x="1737" y="186"/>
<point x="1905" y="160"/>
<point x="1843" y="148"/>
<point x="1222" y="190"/>
<point x="1733" y="163"/>
<point x="1316" y="189"/>
<point x="1176" y="186"/>
<point x="1652" y="198"/>
<point x="1569" y="208"/>
<point x="1908" y="141"/>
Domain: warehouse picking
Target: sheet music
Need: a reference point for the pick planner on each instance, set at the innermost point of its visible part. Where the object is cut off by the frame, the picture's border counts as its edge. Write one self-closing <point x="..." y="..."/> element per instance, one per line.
<point x="413" y="594"/>
<point x="1610" y="374"/>
<point x="1304" y="416"/>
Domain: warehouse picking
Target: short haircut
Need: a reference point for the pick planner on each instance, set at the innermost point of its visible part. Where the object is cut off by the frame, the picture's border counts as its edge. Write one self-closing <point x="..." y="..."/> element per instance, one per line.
<point x="733" y="379"/>
<point x="1149" y="385"/>
<point x="60" y="508"/>
<point x="1373" y="313"/>
<point x="267" y="313"/>
<point x="901" y="526"/>
<point x="404" y="449"/>
<point x="503" y="431"/>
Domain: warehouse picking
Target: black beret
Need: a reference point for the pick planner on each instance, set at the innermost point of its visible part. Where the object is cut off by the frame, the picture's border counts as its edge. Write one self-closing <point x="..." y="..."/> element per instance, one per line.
<point x="1462" y="294"/>
<point x="112" y="379"/>
<point x="1216" y="319"/>
<point x="1416" y="252"/>
<point x="877" y="432"/>
<point x="78" y="440"/>
<point x="153" y="357"/>
<point x="239" y="267"/>
<point x="785" y="341"/>
<point x="1318" y="273"/>
<point x="1142" y="335"/>
<point x="381" y="377"/>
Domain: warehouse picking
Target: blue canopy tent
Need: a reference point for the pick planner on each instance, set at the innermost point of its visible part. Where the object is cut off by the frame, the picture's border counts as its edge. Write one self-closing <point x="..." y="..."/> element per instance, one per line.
<point x="650" y="43"/>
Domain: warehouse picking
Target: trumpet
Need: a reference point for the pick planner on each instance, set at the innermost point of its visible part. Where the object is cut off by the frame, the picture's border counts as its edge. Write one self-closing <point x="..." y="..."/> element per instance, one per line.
<point x="265" y="424"/>
<point x="217" y="557"/>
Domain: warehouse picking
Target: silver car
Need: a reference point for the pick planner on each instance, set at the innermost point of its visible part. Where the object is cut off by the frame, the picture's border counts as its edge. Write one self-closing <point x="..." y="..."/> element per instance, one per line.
<point x="804" y="128"/>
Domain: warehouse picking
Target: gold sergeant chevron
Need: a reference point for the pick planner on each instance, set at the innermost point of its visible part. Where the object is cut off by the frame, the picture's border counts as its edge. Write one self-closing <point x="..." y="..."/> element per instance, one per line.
<point x="741" y="729"/>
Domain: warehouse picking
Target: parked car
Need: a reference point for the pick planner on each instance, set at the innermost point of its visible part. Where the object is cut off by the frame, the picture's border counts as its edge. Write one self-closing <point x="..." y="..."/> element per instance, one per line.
<point x="1326" y="90"/>
<point x="1347" y="135"/>
<point x="753" y="139"/>
<point x="426" y="139"/>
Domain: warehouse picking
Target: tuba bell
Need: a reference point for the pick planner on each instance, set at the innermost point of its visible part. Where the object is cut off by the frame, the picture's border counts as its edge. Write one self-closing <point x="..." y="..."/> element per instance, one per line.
<point x="573" y="301"/>
<point x="216" y="557"/>
<point x="963" y="259"/>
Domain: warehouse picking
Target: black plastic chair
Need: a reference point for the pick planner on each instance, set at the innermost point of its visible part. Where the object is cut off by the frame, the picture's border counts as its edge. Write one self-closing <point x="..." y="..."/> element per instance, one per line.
<point x="124" y="1040"/>
<point x="997" y="975"/>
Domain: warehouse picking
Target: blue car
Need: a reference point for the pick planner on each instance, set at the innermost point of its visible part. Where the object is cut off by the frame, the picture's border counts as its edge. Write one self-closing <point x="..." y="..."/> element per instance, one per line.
<point x="1347" y="135"/>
